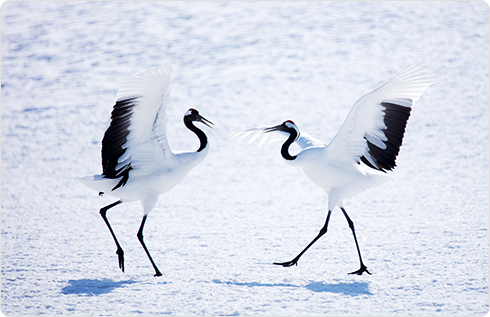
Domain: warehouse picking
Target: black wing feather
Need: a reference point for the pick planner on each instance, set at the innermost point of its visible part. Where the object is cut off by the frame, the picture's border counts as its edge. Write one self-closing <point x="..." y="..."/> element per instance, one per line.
<point x="395" y="120"/>
<point x="114" y="139"/>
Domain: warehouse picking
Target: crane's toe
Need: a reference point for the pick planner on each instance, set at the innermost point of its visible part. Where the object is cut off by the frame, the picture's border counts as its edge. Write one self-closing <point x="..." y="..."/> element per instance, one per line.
<point x="120" y="255"/>
<point x="287" y="264"/>
<point x="361" y="270"/>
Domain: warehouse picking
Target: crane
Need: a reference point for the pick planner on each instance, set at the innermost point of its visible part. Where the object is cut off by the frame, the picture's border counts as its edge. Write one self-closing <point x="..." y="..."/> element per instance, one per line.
<point x="137" y="162"/>
<point x="362" y="152"/>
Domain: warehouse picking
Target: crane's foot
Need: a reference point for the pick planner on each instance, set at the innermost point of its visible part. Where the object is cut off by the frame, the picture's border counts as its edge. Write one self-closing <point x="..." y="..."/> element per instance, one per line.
<point x="287" y="264"/>
<point x="157" y="273"/>
<point x="361" y="270"/>
<point x="120" y="255"/>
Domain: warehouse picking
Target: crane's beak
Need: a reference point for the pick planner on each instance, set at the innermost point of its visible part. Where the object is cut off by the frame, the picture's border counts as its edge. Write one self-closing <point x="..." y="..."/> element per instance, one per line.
<point x="276" y="128"/>
<point x="204" y="121"/>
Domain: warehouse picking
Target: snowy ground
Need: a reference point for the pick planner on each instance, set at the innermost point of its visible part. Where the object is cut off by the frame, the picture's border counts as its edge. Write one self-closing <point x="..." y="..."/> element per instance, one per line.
<point x="243" y="64"/>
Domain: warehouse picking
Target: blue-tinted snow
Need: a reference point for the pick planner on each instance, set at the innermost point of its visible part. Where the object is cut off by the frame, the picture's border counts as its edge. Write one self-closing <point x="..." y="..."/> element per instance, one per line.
<point x="243" y="64"/>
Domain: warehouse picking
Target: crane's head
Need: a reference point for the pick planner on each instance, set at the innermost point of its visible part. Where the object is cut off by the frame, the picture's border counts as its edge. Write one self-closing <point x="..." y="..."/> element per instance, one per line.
<point x="193" y="115"/>
<point x="287" y="126"/>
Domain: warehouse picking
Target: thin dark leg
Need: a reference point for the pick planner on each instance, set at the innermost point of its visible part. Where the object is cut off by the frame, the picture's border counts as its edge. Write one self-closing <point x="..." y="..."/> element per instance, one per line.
<point x="140" y="237"/>
<point x="320" y="234"/>
<point x="351" y="226"/>
<point x="119" y="252"/>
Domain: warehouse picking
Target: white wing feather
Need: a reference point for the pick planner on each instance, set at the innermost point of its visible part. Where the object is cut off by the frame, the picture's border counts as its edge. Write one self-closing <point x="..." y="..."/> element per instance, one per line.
<point x="147" y="143"/>
<point x="304" y="141"/>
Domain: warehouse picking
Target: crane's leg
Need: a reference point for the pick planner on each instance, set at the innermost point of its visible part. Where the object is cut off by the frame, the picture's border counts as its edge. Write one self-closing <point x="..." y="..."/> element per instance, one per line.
<point x="119" y="252"/>
<point x="140" y="237"/>
<point x="351" y="226"/>
<point x="320" y="234"/>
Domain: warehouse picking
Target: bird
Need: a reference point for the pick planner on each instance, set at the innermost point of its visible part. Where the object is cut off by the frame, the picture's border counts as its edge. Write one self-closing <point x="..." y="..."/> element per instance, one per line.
<point x="137" y="162"/>
<point x="363" y="152"/>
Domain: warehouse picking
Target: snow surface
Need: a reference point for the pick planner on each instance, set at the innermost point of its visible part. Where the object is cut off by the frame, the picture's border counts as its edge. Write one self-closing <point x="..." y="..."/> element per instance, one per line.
<point x="214" y="236"/>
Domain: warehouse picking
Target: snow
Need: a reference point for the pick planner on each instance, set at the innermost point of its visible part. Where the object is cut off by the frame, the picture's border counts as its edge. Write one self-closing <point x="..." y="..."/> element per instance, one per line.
<point x="424" y="236"/>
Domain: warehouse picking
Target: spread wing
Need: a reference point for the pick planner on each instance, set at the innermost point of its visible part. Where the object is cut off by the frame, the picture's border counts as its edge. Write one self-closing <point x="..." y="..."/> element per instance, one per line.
<point x="136" y="136"/>
<point x="374" y="128"/>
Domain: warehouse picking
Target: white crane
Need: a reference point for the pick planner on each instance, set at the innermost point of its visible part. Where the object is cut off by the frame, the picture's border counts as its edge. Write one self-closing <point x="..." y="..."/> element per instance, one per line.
<point x="137" y="163"/>
<point x="363" y="150"/>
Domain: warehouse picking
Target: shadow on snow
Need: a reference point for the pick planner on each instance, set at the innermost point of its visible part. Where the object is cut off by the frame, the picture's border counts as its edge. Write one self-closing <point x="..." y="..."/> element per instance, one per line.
<point x="97" y="287"/>
<point x="351" y="289"/>
<point x="92" y="287"/>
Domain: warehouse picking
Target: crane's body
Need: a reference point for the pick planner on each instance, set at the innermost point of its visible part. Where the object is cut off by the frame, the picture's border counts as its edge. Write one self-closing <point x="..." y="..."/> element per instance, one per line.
<point x="137" y="162"/>
<point x="152" y="185"/>
<point x="340" y="180"/>
<point x="364" y="149"/>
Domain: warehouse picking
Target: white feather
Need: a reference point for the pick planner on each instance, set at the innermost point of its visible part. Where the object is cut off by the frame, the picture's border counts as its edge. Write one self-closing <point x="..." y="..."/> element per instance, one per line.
<point x="304" y="141"/>
<point x="152" y="89"/>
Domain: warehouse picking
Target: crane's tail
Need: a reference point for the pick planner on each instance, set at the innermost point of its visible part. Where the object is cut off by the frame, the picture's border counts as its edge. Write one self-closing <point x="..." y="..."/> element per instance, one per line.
<point x="99" y="183"/>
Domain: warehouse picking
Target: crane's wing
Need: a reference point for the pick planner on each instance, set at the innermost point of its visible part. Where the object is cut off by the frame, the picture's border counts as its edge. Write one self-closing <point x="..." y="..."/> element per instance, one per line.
<point x="374" y="128"/>
<point x="304" y="141"/>
<point x="136" y="136"/>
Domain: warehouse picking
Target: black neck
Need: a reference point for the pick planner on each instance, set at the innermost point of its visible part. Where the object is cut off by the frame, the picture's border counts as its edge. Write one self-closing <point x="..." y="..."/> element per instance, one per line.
<point x="202" y="137"/>
<point x="285" y="147"/>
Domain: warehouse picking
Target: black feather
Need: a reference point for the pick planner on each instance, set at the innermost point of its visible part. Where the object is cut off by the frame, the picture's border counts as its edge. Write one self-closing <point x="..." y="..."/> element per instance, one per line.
<point x="115" y="138"/>
<point x="395" y="120"/>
